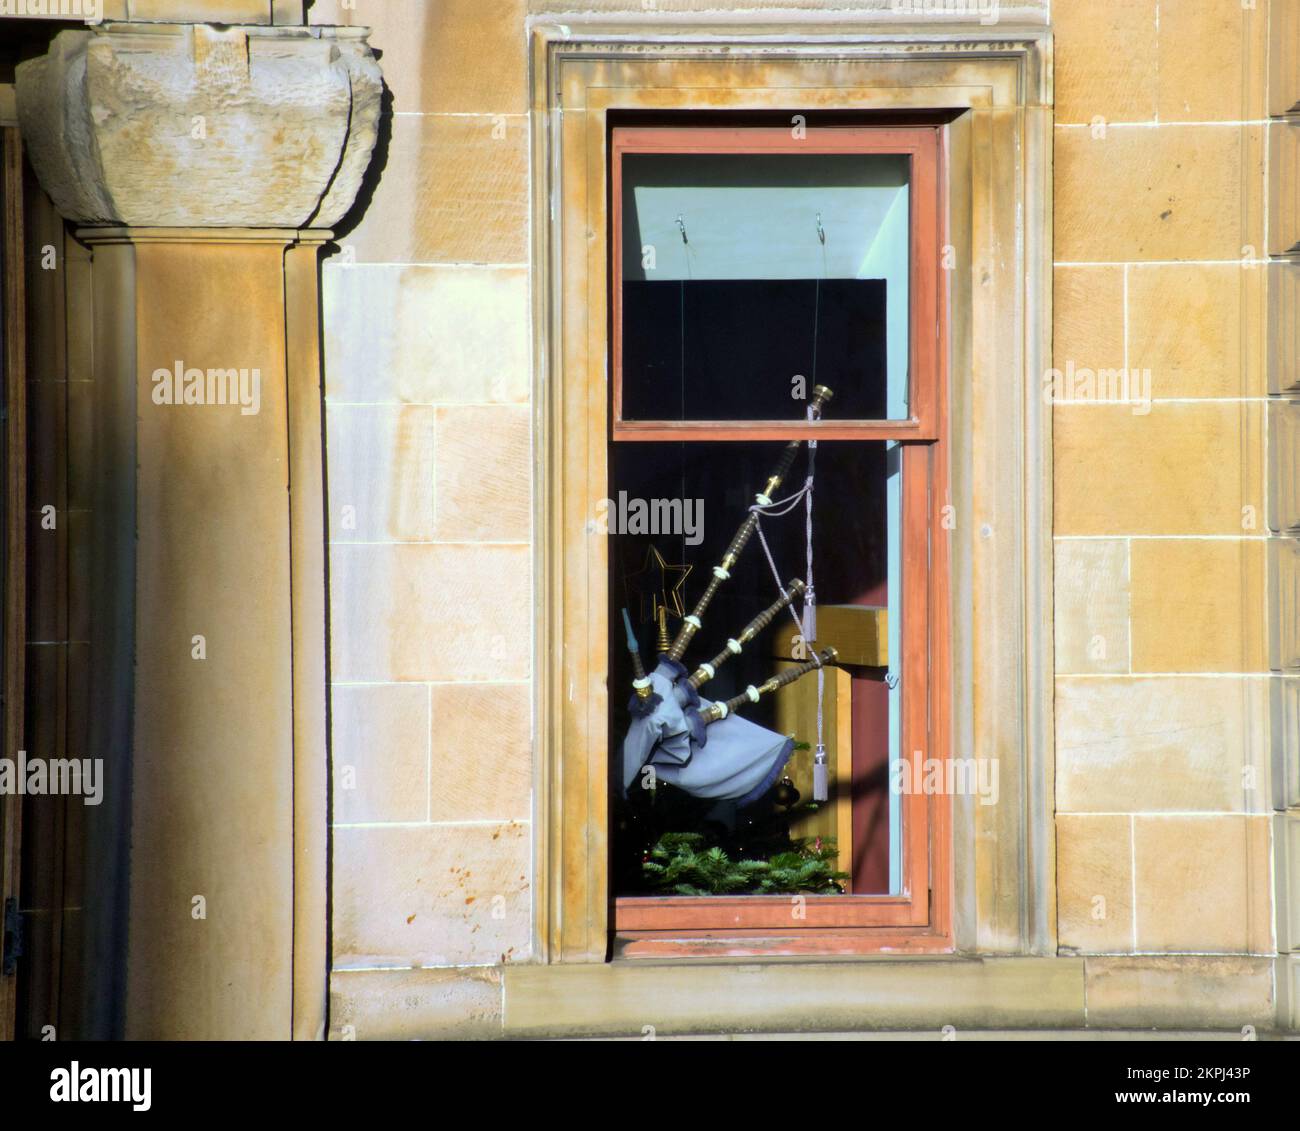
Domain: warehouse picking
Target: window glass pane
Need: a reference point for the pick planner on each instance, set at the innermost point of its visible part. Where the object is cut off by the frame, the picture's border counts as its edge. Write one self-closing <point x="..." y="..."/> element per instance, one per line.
<point x="742" y="271"/>
<point x="747" y="788"/>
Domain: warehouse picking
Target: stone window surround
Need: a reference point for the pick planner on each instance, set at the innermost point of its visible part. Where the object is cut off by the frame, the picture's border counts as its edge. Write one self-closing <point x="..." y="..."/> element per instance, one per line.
<point x="997" y="86"/>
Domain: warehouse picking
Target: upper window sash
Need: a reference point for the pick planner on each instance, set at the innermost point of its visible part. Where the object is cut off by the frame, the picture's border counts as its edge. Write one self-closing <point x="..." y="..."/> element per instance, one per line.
<point x="921" y="144"/>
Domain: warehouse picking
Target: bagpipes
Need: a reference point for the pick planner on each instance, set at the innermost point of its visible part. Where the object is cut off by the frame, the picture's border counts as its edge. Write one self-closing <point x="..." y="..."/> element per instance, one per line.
<point x="704" y="747"/>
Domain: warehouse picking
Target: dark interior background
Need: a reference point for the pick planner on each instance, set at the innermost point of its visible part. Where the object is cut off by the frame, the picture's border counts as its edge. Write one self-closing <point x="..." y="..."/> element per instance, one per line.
<point x="727" y="349"/>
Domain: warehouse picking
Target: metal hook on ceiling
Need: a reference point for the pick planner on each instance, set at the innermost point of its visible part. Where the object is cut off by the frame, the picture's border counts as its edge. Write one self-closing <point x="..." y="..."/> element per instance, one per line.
<point x="681" y="227"/>
<point x="821" y="232"/>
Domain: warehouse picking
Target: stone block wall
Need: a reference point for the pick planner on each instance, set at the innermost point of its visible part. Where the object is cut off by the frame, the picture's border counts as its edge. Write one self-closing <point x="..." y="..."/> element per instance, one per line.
<point x="1161" y="252"/>
<point x="427" y="347"/>
<point x="1171" y="645"/>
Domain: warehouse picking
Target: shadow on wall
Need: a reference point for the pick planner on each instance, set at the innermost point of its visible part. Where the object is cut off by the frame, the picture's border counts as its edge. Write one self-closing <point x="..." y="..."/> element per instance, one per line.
<point x="374" y="171"/>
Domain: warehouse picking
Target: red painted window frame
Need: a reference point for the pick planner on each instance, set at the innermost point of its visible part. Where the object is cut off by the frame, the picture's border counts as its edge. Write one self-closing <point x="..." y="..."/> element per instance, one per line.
<point x="919" y="918"/>
<point x="921" y="144"/>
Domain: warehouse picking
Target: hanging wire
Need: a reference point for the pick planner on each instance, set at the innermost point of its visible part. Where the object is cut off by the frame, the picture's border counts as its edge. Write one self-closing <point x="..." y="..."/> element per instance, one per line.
<point x="681" y="392"/>
<point x="810" y="588"/>
<point x="681" y="388"/>
<point x="807" y="626"/>
<point x="810" y="597"/>
<point x="817" y="314"/>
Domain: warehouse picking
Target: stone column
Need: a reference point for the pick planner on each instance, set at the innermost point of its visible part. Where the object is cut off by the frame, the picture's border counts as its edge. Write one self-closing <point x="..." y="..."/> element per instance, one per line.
<point x="204" y="168"/>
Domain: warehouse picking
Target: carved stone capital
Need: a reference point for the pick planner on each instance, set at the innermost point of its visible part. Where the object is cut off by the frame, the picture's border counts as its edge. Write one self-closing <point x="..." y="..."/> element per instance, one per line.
<point x="169" y="125"/>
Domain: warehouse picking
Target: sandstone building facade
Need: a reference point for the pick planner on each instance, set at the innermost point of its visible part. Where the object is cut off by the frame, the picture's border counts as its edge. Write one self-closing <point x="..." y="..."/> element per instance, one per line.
<point x="342" y="657"/>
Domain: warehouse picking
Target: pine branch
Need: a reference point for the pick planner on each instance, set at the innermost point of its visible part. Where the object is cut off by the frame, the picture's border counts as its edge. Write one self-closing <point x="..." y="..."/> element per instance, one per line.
<point x="679" y="862"/>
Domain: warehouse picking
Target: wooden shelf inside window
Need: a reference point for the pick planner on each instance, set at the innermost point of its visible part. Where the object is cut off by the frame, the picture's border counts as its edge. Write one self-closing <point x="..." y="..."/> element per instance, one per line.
<point x="858" y="633"/>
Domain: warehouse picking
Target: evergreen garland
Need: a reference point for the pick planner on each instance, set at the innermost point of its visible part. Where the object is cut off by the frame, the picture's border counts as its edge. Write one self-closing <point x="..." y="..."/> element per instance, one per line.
<point x="685" y="864"/>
